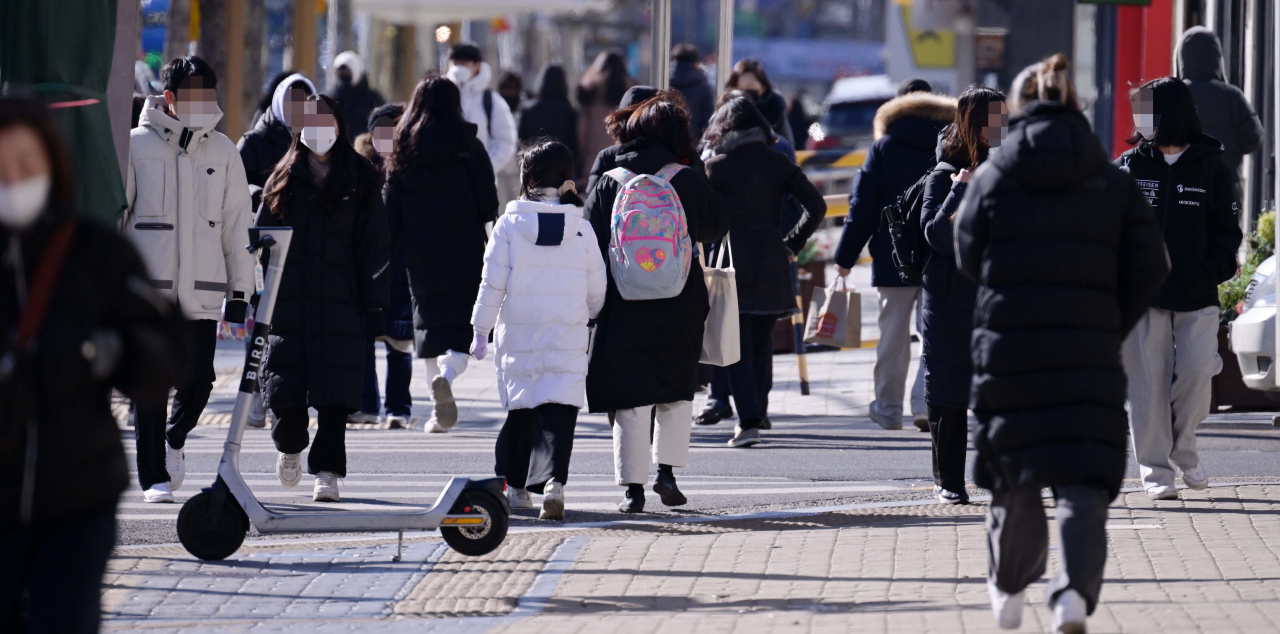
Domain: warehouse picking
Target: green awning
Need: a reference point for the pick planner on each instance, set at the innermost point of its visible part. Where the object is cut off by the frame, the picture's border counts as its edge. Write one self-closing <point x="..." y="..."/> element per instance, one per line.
<point x="63" y="49"/>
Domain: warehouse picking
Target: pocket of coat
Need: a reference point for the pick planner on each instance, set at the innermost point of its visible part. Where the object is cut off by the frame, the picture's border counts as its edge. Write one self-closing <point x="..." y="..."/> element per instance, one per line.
<point x="152" y="180"/>
<point x="214" y="188"/>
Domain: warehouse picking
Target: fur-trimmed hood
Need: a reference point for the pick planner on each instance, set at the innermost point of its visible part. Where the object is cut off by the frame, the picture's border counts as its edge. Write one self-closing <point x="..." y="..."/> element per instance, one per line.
<point x="924" y="105"/>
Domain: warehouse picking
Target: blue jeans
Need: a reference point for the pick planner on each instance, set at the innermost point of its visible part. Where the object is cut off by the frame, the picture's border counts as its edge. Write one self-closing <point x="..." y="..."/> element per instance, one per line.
<point x="399" y="373"/>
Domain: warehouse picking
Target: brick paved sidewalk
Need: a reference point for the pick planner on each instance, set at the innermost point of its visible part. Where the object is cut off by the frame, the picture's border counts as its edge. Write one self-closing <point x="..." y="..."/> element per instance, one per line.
<point x="1207" y="563"/>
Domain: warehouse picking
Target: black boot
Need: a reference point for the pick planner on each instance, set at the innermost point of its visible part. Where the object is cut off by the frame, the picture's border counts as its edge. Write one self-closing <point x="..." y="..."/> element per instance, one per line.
<point x="666" y="488"/>
<point x="633" y="500"/>
<point x="714" y="412"/>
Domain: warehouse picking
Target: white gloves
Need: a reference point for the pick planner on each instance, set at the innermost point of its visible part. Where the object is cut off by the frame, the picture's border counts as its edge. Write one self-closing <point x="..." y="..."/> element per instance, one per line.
<point x="479" y="346"/>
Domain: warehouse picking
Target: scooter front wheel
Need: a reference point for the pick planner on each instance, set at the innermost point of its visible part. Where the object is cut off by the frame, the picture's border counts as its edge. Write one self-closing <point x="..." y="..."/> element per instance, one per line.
<point x="211" y="535"/>
<point x="479" y="540"/>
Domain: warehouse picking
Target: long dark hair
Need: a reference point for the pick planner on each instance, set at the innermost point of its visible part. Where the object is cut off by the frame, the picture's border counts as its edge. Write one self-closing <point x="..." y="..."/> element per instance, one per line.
<point x="347" y="169"/>
<point x="737" y="113"/>
<point x="553" y="84"/>
<point x="609" y="69"/>
<point x="964" y="137"/>
<point x="547" y="163"/>
<point x="1176" y="121"/>
<point x="432" y="131"/>
<point x="662" y="118"/>
<point x="750" y="67"/>
<point x="15" y="112"/>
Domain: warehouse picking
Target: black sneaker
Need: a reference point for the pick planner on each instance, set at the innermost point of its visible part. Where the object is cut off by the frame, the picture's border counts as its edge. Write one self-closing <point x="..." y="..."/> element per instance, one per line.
<point x="632" y="500"/>
<point x="666" y="488"/>
<point x="715" y="412"/>
<point x="765" y="423"/>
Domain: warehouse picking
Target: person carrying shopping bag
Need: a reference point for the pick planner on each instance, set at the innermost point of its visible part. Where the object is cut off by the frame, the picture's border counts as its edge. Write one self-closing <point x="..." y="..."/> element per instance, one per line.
<point x="644" y="368"/>
<point x="543" y="279"/>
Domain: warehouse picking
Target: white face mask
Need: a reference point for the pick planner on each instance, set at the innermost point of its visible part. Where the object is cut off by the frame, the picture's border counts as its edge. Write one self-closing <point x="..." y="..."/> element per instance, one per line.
<point x="199" y="115"/>
<point x="319" y="140"/>
<point x="1145" y="124"/>
<point x="22" y="202"/>
<point x="384" y="146"/>
<point x="459" y="74"/>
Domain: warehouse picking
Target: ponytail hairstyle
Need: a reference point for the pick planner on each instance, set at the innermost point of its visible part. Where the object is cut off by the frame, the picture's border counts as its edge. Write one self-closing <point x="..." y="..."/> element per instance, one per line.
<point x="548" y="164"/>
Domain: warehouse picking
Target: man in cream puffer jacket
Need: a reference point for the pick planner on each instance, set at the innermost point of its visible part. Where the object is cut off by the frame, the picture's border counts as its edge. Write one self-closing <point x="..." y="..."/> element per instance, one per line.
<point x="188" y="215"/>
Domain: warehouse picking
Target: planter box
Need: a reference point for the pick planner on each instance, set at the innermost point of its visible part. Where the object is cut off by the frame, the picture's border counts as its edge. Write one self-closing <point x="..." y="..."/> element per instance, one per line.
<point x="1229" y="389"/>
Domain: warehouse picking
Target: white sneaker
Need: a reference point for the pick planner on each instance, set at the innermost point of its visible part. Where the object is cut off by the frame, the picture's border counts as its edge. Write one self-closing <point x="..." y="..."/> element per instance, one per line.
<point x="1006" y="607"/>
<point x="444" y="410"/>
<point x="433" y="426"/>
<point x="553" y="502"/>
<point x="361" y="418"/>
<point x="1161" y="492"/>
<point x="158" y="493"/>
<point x="175" y="462"/>
<point x="1069" y="613"/>
<point x="289" y="469"/>
<point x="1195" y="478"/>
<point x="326" y="487"/>
<point x="397" y="422"/>
<point x="519" y="498"/>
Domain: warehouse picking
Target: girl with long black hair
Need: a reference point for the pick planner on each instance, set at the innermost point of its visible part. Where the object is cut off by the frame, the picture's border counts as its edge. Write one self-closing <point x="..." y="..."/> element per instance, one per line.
<point x="333" y="293"/>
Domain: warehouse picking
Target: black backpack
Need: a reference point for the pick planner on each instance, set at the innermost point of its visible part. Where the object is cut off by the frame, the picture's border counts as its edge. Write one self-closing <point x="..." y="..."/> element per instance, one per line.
<point x="905" y="232"/>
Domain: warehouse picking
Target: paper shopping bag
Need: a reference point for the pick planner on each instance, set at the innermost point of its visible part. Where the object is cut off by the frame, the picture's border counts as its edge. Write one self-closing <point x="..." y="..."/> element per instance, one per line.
<point x="835" y="316"/>
<point x="720" y="343"/>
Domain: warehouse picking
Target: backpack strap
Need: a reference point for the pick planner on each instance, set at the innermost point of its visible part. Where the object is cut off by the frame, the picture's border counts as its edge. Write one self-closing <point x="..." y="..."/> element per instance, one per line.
<point x="46" y="276"/>
<point x="621" y="174"/>
<point x="669" y="171"/>
<point x="486" y="99"/>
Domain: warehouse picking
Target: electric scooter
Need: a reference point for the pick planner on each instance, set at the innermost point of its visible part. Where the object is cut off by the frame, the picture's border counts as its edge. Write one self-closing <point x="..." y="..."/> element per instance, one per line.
<point x="472" y="514"/>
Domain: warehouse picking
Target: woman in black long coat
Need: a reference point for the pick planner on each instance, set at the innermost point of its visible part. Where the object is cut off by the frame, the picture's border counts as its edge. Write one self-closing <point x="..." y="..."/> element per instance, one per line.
<point x="753" y="179"/>
<point x="333" y="293"/>
<point x="645" y="353"/>
<point x="947" y="306"/>
<point x="440" y="193"/>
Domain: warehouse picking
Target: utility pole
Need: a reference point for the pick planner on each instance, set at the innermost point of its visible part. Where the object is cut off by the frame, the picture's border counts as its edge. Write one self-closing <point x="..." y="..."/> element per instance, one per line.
<point x="724" y="45"/>
<point x="660" y="37"/>
<point x="341" y="31"/>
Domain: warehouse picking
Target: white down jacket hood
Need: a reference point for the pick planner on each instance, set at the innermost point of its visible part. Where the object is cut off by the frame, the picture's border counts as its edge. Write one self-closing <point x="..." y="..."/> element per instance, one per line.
<point x="188" y="212"/>
<point x="497" y="131"/>
<point x="543" y="279"/>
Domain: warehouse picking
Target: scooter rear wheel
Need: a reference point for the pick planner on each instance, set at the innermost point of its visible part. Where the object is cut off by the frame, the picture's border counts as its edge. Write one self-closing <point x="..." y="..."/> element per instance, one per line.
<point x="481" y="540"/>
<point x="208" y="535"/>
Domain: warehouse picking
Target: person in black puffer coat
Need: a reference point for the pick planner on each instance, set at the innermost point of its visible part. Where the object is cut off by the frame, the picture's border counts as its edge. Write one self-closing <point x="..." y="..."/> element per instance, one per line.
<point x="333" y="293"/>
<point x="645" y="353"/>
<point x="272" y="135"/>
<point x="550" y="115"/>
<point x="353" y="93"/>
<point x="1172" y="354"/>
<point x="753" y="180"/>
<point x="906" y="130"/>
<point x="748" y="76"/>
<point x="440" y="193"/>
<point x="947" y="308"/>
<point x="688" y="78"/>
<point x="1067" y="256"/>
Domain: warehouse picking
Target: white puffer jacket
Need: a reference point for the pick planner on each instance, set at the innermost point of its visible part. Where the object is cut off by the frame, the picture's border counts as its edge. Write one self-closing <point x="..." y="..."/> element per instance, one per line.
<point x="544" y="278"/>
<point x="498" y="135"/>
<point x="189" y="212"/>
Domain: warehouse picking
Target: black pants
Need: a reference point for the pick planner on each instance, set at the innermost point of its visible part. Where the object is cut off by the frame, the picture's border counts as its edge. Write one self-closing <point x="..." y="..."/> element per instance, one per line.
<point x="535" y="444"/>
<point x="399" y="374"/>
<point x="1018" y="540"/>
<point x="51" y="578"/>
<point x="188" y="404"/>
<point x="751" y="378"/>
<point x="949" y="428"/>
<point x="329" y="451"/>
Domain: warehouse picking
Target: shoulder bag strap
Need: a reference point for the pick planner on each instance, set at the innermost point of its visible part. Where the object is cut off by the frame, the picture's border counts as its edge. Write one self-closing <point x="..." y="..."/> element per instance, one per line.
<point x="46" y="276"/>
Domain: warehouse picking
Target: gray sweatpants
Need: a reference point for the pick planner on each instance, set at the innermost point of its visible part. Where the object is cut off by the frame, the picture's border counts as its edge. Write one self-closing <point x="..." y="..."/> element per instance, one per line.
<point x="1171" y="358"/>
<point x="893" y="354"/>
<point x="1018" y="540"/>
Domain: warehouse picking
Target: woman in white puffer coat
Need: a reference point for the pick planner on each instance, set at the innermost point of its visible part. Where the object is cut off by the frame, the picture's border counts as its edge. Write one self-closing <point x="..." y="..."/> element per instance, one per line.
<point x="543" y="280"/>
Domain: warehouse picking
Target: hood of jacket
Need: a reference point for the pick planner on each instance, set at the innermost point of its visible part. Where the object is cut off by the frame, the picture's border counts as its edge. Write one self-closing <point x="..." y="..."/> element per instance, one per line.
<point x="155" y="118"/>
<point x="1050" y="145"/>
<point x="543" y="224"/>
<point x="912" y="109"/>
<point x="635" y="95"/>
<point x="1200" y="55"/>
<point x="645" y="156"/>
<point x="686" y="74"/>
<point x="277" y="98"/>
<point x="479" y="82"/>
<point x="353" y="62"/>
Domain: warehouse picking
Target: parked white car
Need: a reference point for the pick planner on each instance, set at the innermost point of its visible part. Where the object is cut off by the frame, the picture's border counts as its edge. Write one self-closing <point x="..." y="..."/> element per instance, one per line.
<point x="1253" y="333"/>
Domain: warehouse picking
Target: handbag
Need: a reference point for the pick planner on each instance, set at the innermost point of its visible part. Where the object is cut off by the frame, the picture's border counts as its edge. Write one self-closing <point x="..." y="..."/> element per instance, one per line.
<point x="720" y="343"/>
<point x="835" y="316"/>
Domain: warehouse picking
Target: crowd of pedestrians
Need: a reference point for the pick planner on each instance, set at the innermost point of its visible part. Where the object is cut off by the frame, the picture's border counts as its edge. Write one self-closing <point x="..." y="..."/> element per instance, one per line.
<point x="1050" y="286"/>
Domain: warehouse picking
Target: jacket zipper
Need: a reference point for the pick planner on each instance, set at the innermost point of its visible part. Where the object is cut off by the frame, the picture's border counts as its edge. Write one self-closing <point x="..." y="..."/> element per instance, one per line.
<point x="1164" y="207"/>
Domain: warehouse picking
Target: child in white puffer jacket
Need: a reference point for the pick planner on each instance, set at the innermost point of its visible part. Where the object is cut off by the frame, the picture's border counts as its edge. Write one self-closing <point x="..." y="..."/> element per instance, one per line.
<point x="543" y="280"/>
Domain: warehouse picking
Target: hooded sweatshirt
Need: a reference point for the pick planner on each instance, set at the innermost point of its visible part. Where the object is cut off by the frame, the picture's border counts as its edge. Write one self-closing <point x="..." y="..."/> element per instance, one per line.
<point x="269" y="140"/>
<point x="355" y="98"/>
<point x="189" y="212"/>
<point x="497" y="128"/>
<point x="544" y="278"/>
<point x="1225" y="114"/>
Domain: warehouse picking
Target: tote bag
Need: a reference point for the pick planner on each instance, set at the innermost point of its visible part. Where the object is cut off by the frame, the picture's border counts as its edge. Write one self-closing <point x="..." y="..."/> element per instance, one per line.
<point x="720" y="344"/>
<point x="835" y="316"/>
